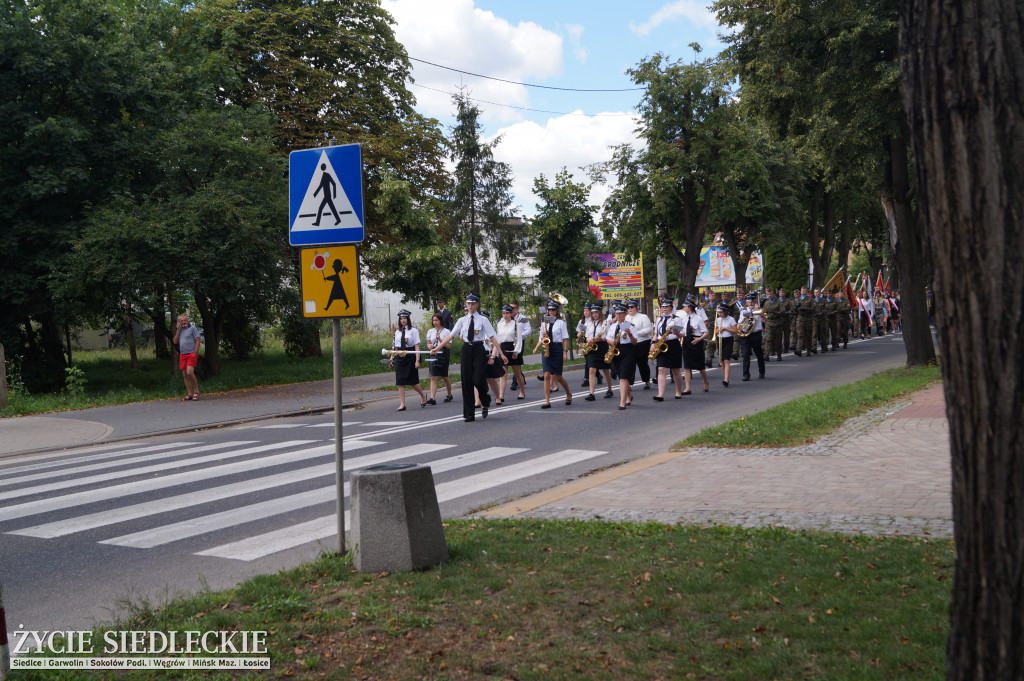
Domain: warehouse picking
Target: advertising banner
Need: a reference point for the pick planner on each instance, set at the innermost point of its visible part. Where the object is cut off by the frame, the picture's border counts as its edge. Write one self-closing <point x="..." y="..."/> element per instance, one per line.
<point x="718" y="271"/>
<point x="617" y="276"/>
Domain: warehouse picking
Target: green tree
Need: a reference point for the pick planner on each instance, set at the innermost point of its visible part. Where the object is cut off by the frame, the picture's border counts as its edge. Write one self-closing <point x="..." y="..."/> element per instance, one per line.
<point x="663" y="193"/>
<point x="563" y="232"/>
<point x="412" y="259"/>
<point x="480" y="199"/>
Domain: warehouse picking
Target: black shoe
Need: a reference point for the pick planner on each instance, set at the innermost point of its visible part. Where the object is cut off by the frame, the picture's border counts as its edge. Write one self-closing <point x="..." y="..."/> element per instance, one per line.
<point x="725" y="383"/>
<point x="845" y="344"/>
<point x="483" y="412"/>
<point x="746" y="378"/>
<point x="600" y="380"/>
<point x="685" y="392"/>
<point x="813" y="351"/>
<point x="647" y="386"/>
<point x="545" y="406"/>
<point x="798" y="353"/>
<point x="585" y="383"/>
<point x="470" y="419"/>
<point x="778" y="357"/>
<point x="449" y="398"/>
<point x="540" y="377"/>
<point x="658" y="399"/>
<point x="432" y="402"/>
<point x="400" y="409"/>
<point x="589" y="398"/>
<point x="760" y="375"/>
<point x="621" y="408"/>
<point x="608" y="394"/>
<point x="515" y="385"/>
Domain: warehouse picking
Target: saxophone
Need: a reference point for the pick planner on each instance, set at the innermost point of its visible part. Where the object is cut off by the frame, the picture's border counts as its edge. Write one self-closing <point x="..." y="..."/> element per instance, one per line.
<point x="589" y="347"/>
<point x="657" y="348"/>
<point x="613" y="349"/>
<point x="546" y="342"/>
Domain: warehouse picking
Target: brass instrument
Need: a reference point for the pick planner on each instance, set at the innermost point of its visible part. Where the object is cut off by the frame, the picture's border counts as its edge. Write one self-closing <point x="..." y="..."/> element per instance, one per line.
<point x="589" y="346"/>
<point x="546" y="342"/>
<point x="402" y="353"/>
<point x="558" y="297"/>
<point x="716" y="336"/>
<point x="746" y="327"/>
<point x="657" y="348"/>
<point x="613" y="349"/>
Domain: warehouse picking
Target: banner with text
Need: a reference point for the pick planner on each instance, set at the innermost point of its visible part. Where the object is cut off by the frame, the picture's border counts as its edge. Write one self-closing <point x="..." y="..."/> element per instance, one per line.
<point x="718" y="270"/>
<point x="617" y="276"/>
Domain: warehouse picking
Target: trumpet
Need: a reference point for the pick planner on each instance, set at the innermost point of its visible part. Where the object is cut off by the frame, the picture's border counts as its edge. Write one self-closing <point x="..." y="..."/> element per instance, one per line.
<point x="402" y="353"/>
<point x="657" y="348"/>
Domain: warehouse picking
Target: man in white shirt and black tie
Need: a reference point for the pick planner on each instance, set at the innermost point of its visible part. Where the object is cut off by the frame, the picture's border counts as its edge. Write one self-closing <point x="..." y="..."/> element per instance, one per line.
<point x="473" y="329"/>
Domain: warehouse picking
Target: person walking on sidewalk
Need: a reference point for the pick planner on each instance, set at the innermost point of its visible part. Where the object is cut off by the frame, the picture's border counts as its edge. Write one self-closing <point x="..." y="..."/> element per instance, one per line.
<point x="473" y="328"/>
<point x="407" y="338"/>
<point x="439" y="367"/>
<point x="186" y="337"/>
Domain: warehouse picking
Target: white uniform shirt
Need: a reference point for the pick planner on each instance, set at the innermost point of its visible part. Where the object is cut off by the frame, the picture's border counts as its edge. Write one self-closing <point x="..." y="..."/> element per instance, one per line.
<point x="435" y="337"/>
<point x="697" y="326"/>
<point x="559" y="331"/>
<point x="509" y="332"/>
<point x="724" y="323"/>
<point x="642" y="326"/>
<point x="615" y="327"/>
<point x="482" y="328"/>
<point x="412" y="338"/>
<point x="594" y="329"/>
<point x="664" y="326"/>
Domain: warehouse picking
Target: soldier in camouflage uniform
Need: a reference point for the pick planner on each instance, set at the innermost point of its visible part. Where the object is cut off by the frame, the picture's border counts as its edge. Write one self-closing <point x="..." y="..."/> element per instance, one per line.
<point x="788" y="315"/>
<point x="821" y="307"/>
<point x="833" y="317"/>
<point x="804" y="324"/>
<point x="794" y="304"/>
<point x="710" y="349"/>
<point x="775" y="320"/>
<point x="843" y="316"/>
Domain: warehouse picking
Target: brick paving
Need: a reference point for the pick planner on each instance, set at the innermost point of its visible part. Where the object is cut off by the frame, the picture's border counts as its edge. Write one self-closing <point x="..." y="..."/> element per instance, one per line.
<point x="885" y="472"/>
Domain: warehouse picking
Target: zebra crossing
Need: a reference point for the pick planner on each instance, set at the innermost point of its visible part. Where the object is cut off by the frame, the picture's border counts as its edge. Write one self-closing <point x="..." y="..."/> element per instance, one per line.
<point x="98" y="490"/>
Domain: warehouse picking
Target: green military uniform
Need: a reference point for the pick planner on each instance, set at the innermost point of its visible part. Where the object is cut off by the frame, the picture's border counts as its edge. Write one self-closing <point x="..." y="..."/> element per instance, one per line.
<point x="794" y="304"/>
<point x="804" y="326"/>
<point x="879" y="315"/>
<point x="787" y="319"/>
<point x="843" y="317"/>
<point x="821" y="310"/>
<point x="775" y="320"/>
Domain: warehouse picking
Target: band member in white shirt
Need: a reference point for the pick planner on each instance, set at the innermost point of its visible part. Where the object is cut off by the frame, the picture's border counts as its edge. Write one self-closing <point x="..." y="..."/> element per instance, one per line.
<point x="473" y="328"/>
<point x="439" y="367"/>
<point x="666" y="328"/>
<point x="694" y="334"/>
<point x="558" y="351"/>
<point x="594" y="331"/>
<point x="407" y="337"/>
<point x="642" y="327"/>
<point x="753" y="342"/>
<point x="726" y="329"/>
<point x="509" y="335"/>
<point x="620" y="335"/>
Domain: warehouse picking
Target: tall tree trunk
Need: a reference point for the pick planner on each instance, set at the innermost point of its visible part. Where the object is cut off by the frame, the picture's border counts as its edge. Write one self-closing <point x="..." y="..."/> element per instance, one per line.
<point x="132" y="352"/>
<point x="907" y="243"/>
<point x="67" y="342"/>
<point x="962" y="65"/>
<point x="161" y="333"/>
<point x="175" y="366"/>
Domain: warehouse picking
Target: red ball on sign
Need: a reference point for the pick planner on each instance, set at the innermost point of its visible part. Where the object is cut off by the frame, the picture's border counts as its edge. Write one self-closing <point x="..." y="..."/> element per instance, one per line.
<point x="319" y="261"/>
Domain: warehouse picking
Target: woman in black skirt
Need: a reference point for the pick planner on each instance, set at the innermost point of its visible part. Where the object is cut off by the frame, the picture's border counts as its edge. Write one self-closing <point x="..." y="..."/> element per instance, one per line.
<point x="553" y="328"/>
<point x="726" y="328"/>
<point x="510" y="337"/>
<point x="620" y="335"/>
<point x="407" y="337"/>
<point x="666" y="328"/>
<point x="695" y="331"/>
<point x="439" y="367"/>
<point x="494" y="370"/>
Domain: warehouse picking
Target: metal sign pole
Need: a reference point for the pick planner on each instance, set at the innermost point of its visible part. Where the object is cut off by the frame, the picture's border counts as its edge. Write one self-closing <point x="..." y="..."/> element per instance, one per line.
<point x="339" y="447"/>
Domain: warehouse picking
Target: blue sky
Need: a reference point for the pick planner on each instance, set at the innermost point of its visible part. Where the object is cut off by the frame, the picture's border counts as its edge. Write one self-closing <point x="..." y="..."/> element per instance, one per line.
<point x="558" y="43"/>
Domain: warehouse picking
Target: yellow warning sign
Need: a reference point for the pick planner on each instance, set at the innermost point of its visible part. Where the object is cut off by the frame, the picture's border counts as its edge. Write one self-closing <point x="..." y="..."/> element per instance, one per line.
<point x="330" y="282"/>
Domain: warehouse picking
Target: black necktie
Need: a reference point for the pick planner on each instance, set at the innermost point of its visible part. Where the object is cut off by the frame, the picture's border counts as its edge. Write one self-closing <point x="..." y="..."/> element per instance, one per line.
<point x="551" y="328"/>
<point x="617" y="327"/>
<point x="664" y="326"/>
<point x="688" y="332"/>
<point x="472" y="330"/>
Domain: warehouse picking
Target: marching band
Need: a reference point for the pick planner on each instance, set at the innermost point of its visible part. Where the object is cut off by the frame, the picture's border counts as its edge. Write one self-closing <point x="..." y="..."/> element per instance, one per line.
<point x="623" y="344"/>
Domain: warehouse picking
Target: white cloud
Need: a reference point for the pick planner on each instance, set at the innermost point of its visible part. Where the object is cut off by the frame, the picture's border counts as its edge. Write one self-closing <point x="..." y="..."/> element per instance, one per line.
<point x="575" y="32"/>
<point x="571" y="141"/>
<point x="692" y="10"/>
<point x="456" y="34"/>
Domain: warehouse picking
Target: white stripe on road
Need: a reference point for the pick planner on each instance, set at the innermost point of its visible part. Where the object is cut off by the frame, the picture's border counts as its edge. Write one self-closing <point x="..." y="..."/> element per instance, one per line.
<point x="103" y="477"/>
<point x="237" y="516"/>
<point x="71" y="458"/>
<point x="21" y="479"/>
<point x="252" y="548"/>
<point x="140" y="486"/>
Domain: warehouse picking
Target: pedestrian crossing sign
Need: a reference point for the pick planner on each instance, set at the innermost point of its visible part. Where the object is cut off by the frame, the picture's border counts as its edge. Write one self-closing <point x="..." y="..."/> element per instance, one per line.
<point x="325" y="196"/>
<point x="330" y="282"/>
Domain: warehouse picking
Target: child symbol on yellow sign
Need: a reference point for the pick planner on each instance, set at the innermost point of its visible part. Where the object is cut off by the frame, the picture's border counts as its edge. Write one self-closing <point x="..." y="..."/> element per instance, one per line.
<point x="321" y="291"/>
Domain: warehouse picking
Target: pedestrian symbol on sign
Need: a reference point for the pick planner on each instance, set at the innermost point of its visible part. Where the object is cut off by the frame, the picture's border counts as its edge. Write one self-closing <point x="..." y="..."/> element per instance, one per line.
<point x="325" y="195"/>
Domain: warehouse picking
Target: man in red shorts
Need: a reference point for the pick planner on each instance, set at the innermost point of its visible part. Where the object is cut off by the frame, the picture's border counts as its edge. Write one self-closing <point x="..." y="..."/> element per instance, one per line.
<point x="186" y="337"/>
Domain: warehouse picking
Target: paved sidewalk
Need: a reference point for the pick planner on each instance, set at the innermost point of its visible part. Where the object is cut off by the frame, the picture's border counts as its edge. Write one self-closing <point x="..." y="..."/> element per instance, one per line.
<point x="27" y="434"/>
<point x="886" y="472"/>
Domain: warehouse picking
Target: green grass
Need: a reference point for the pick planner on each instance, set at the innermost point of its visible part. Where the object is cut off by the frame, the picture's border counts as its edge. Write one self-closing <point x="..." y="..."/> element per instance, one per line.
<point x="594" y="600"/>
<point x="811" y="416"/>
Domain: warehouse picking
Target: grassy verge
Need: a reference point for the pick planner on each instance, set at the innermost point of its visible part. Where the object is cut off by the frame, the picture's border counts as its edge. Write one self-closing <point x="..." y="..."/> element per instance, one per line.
<point x="592" y="600"/>
<point x="811" y="416"/>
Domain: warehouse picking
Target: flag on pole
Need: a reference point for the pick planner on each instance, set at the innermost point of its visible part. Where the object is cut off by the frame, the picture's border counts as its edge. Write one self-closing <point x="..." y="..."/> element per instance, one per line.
<point x="835" y="282"/>
<point x="878" y="282"/>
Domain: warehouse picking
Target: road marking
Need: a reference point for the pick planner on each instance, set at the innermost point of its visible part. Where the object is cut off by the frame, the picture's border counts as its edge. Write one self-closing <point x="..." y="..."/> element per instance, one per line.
<point x="68" y="457"/>
<point x="103" y="477"/>
<point x="21" y="479"/>
<point x="150" y="484"/>
<point x="269" y="543"/>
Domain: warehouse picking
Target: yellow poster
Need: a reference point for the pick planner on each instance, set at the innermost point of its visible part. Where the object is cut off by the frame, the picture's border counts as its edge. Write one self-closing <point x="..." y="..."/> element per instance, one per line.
<point x="330" y="282"/>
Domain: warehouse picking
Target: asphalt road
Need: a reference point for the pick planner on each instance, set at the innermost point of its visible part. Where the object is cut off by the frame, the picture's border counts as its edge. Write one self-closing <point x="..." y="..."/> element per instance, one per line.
<point x="140" y="521"/>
